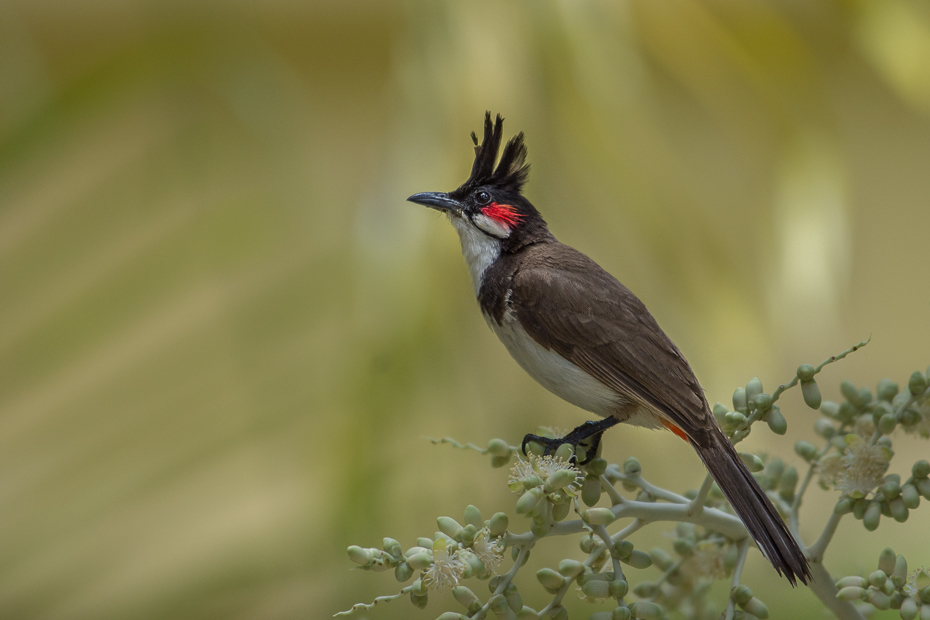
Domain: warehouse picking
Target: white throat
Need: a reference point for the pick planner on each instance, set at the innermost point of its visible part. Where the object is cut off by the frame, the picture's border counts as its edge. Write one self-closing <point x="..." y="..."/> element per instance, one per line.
<point x="479" y="249"/>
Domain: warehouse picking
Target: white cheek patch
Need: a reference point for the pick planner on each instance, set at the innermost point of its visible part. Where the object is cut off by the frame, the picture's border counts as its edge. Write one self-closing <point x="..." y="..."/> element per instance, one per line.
<point x="491" y="226"/>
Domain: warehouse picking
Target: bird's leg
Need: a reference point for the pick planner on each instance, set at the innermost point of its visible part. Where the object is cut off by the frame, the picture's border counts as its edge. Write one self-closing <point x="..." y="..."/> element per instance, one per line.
<point x="592" y="429"/>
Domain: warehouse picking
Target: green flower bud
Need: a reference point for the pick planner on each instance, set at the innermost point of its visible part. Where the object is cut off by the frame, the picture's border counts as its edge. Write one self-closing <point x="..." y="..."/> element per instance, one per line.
<point x="498" y="447"/>
<point x="532" y="481"/>
<point x="564" y="452"/>
<point x="683" y="547"/>
<point x="740" y="403"/>
<point x="450" y="615"/>
<point x="645" y="590"/>
<point x="757" y="608"/>
<point x="599" y="516"/>
<point x="830" y="409"/>
<point x="631" y="466"/>
<point x="886" y="508"/>
<point x="899" y="576"/>
<point x="660" y="558"/>
<point x="917" y="384"/>
<point x="596" y="467"/>
<point x="753" y="462"/>
<point x="466" y="598"/>
<point x="403" y="572"/>
<point x="762" y="402"/>
<point x="498" y="604"/>
<point x="735" y="419"/>
<point x="898" y="510"/>
<point x="570" y="568"/>
<point x="468" y="534"/>
<point x="596" y="589"/>
<point x="811" y="393"/>
<point x="646" y="610"/>
<point x="412" y="551"/>
<point x="886" y="561"/>
<point x="591" y="490"/>
<point x="878" y="599"/>
<point x="359" y="556"/>
<point x="560" y="479"/>
<point x="877" y="578"/>
<point x="886" y="424"/>
<point x="550" y="580"/>
<point x="851" y="593"/>
<point x="539" y="526"/>
<point x="865" y="395"/>
<point x="624" y="613"/>
<point x="753" y="388"/>
<point x="529" y="500"/>
<point x="806" y="450"/>
<point x="473" y="517"/>
<point x="908" y="610"/>
<point x="560" y="511"/>
<point x="619" y="588"/>
<point x="890" y="489"/>
<point x="853" y="580"/>
<point x="623" y="549"/>
<point x="775" y="468"/>
<point x="741" y="595"/>
<point x="805" y="372"/>
<point x="558" y="612"/>
<point x="449" y="526"/>
<point x="719" y="410"/>
<point x="420" y="560"/>
<point x="498" y="524"/>
<point x="844" y="506"/>
<point x="499" y="461"/>
<point x="536" y="448"/>
<point x="910" y="496"/>
<point x="824" y="427"/>
<point x="924" y="487"/>
<point x="921" y="469"/>
<point x="638" y="559"/>
<point x="846" y="412"/>
<point x="872" y="516"/>
<point x="586" y="544"/>
<point x="787" y="483"/>
<point x="886" y="390"/>
<point x="527" y="613"/>
<point x="776" y="421"/>
<point x="925" y="596"/>
<point x="419" y="601"/>
<point x="889" y="589"/>
<point x="514" y="600"/>
<point x="850" y="393"/>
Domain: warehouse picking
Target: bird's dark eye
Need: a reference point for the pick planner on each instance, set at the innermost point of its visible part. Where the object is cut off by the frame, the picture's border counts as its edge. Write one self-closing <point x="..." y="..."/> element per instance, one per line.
<point x="482" y="197"/>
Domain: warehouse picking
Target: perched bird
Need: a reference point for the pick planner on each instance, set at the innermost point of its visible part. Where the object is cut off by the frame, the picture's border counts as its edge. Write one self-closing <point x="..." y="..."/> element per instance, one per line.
<point x="585" y="337"/>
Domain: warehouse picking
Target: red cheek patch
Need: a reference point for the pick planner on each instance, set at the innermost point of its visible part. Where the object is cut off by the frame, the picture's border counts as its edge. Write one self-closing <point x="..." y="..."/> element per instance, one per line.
<point x="506" y="215"/>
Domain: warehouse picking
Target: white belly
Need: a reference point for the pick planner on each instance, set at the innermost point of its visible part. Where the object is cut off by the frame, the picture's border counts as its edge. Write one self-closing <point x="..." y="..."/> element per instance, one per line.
<point x="554" y="372"/>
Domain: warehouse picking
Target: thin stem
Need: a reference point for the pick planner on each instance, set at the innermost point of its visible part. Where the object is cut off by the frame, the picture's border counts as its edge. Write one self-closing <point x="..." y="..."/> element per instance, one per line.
<point x="613" y="474"/>
<point x="697" y="505"/>
<point x="737" y="571"/>
<point x="601" y="532"/>
<point x="380" y="599"/>
<point x="815" y="552"/>
<point x="612" y="493"/>
<point x="796" y="504"/>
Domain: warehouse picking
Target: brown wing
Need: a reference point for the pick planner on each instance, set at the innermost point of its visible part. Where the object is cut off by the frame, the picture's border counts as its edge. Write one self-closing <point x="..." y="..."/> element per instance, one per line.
<point x="569" y="304"/>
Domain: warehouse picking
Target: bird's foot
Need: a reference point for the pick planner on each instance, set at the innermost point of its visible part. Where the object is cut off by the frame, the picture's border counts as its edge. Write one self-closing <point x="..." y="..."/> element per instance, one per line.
<point x="586" y="436"/>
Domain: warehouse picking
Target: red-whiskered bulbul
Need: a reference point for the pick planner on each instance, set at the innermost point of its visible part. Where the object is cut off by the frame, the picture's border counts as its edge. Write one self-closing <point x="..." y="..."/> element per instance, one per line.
<point x="585" y="337"/>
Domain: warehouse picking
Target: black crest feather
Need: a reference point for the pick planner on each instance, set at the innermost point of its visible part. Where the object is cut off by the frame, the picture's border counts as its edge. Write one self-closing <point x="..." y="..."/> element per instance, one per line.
<point x="512" y="170"/>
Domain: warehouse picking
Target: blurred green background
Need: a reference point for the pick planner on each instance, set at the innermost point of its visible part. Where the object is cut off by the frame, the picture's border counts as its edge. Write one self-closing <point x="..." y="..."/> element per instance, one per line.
<point x="224" y="334"/>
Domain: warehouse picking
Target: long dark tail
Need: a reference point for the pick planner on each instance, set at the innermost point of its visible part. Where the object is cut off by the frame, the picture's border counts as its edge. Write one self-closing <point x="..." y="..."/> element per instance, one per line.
<point x="758" y="514"/>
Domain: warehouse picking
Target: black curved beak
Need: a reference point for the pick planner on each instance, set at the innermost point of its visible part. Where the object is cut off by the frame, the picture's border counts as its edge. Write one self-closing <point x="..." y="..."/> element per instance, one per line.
<point x="437" y="200"/>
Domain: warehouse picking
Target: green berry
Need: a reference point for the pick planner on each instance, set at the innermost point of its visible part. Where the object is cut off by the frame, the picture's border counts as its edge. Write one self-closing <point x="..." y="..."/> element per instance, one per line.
<point x="872" y="516"/>
<point x="917" y="384"/>
<point x="776" y="421"/>
<point x="805" y="372"/>
<point x="887" y="560"/>
<point x="921" y="469"/>
<point x="811" y="393"/>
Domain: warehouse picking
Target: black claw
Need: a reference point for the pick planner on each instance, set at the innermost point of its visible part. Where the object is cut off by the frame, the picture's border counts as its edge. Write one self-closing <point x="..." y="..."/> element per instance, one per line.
<point x="589" y="430"/>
